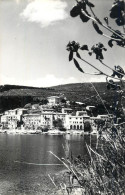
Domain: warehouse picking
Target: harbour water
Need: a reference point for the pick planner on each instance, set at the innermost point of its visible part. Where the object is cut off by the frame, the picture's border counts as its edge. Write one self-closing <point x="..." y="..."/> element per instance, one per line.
<point x="19" y="177"/>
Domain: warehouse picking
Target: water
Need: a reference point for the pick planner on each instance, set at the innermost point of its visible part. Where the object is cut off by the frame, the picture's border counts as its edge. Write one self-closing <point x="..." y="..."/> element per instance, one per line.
<point x="19" y="178"/>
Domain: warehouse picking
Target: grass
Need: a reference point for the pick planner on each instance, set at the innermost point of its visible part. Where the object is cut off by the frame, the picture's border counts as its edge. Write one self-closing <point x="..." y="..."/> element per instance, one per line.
<point x="103" y="173"/>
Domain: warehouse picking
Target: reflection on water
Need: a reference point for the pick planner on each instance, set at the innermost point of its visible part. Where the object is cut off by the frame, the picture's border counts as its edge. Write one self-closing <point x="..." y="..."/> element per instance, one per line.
<point x="17" y="178"/>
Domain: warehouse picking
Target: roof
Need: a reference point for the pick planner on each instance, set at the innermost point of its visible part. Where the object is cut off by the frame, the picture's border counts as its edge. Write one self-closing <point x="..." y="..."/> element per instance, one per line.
<point x="53" y="97"/>
<point x="76" y="116"/>
<point x="31" y="114"/>
<point x="47" y="113"/>
<point x="47" y="109"/>
<point x="80" y="103"/>
<point x="103" y="115"/>
<point x="67" y="108"/>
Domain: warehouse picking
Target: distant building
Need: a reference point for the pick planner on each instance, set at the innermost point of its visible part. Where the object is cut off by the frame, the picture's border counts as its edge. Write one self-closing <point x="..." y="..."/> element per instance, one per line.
<point x="80" y="103"/>
<point x="10" y="120"/>
<point x="103" y="117"/>
<point x="35" y="106"/>
<point x="47" y="119"/>
<point x="12" y="117"/>
<point x="75" y="122"/>
<point x="4" y="118"/>
<point x="67" y="110"/>
<point x="53" y="100"/>
<point x="32" y="120"/>
<point x="47" y="110"/>
<point x="81" y="113"/>
<point x="0" y="117"/>
<point x="21" y="111"/>
<point x="90" y="108"/>
<point x="61" y="116"/>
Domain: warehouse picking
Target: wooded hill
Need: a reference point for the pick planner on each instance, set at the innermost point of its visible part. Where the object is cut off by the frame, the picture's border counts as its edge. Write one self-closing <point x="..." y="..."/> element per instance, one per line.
<point x="13" y="96"/>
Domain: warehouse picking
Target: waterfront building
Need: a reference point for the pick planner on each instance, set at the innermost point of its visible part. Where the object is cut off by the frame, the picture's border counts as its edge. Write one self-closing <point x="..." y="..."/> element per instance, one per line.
<point x="12" y="117"/>
<point x="75" y="122"/>
<point x="10" y="120"/>
<point x="31" y="120"/>
<point x="0" y="117"/>
<point x="47" y="119"/>
<point x="11" y="112"/>
<point x="4" y="118"/>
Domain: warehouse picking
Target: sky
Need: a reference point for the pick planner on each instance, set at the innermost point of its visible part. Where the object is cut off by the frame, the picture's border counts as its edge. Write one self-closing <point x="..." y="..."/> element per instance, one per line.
<point x="33" y="39"/>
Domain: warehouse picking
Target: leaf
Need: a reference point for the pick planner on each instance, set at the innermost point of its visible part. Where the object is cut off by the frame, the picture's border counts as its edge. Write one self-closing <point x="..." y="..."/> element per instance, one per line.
<point x="83" y="17"/>
<point x="77" y="65"/>
<point x="97" y="28"/>
<point x="84" y="47"/>
<point x="78" y="55"/>
<point x="110" y="43"/>
<point x="90" y="4"/>
<point x="75" y="11"/>
<point x="70" y="55"/>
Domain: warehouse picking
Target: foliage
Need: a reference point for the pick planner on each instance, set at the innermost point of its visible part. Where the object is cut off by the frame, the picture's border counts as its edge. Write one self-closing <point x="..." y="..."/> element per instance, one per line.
<point x="58" y="124"/>
<point x="104" y="172"/>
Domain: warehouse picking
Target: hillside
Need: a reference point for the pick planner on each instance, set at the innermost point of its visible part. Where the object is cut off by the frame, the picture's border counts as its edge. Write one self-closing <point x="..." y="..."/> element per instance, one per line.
<point x="12" y="96"/>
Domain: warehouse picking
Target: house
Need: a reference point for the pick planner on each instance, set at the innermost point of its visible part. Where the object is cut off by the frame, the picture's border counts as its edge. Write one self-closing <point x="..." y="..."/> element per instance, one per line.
<point x="90" y="108"/>
<point x="47" y="110"/>
<point x="35" y="107"/>
<point x="4" y="118"/>
<point x="74" y="122"/>
<point x="12" y="117"/>
<point x="103" y="117"/>
<point x="53" y="100"/>
<point x="81" y="113"/>
<point x="0" y="117"/>
<point x="47" y="119"/>
<point x="61" y="116"/>
<point x="67" y="110"/>
<point x="21" y="111"/>
<point x="32" y="120"/>
<point x="10" y="120"/>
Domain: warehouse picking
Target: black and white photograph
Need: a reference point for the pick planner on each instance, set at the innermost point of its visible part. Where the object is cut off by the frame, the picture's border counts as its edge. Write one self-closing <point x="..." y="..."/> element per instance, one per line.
<point x="62" y="97"/>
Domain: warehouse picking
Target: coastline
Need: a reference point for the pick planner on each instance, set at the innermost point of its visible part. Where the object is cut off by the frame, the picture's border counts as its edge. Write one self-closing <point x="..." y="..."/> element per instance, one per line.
<point x="50" y="132"/>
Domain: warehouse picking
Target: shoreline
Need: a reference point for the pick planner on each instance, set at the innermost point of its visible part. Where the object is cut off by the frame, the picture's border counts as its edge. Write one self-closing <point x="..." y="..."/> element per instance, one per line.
<point x="50" y="132"/>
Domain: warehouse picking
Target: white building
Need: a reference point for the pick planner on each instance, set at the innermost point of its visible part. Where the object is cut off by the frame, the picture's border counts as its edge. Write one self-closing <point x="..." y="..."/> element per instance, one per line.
<point x="54" y="100"/>
<point x="32" y="120"/>
<point x="75" y="122"/>
<point x="12" y="117"/>
<point x="103" y="117"/>
<point x="47" y="110"/>
<point x="81" y="113"/>
<point x="67" y="110"/>
<point x="47" y="119"/>
<point x="4" y="118"/>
